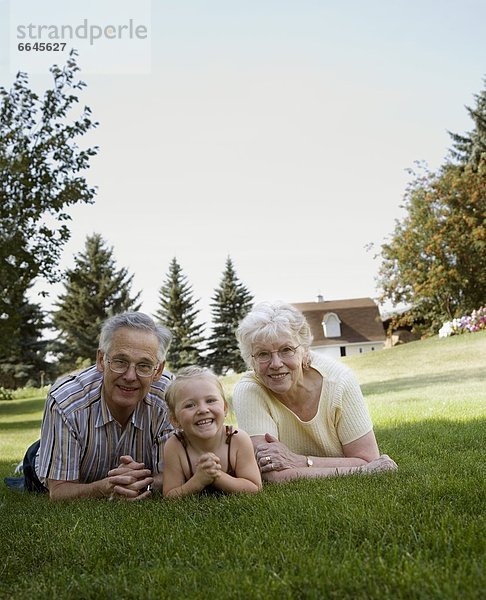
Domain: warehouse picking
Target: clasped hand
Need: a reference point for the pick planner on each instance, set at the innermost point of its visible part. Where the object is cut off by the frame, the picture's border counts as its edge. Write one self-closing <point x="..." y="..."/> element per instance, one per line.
<point x="129" y="480"/>
<point x="208" y="468"/>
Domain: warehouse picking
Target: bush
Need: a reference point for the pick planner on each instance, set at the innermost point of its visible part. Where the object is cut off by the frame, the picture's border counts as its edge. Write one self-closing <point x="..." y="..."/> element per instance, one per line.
<point x="5" y="394"/>
<point x="476" y="321"/>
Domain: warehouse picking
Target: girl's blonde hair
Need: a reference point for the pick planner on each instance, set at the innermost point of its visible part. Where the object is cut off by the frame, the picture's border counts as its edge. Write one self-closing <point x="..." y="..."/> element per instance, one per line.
<point x="185" y="374"/>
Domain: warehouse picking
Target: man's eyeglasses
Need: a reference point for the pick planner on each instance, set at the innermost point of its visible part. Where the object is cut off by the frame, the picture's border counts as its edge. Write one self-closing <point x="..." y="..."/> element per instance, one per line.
<point x="118" y="365"/>
<point x="265" y="356"/>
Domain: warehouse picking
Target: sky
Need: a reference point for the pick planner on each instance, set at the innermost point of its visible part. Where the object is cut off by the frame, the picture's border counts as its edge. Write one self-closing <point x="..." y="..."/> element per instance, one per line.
<point x="279" y="133"/>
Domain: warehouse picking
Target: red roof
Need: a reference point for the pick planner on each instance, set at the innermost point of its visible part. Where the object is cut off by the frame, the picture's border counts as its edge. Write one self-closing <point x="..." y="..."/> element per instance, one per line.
<point x="360" y="320"/>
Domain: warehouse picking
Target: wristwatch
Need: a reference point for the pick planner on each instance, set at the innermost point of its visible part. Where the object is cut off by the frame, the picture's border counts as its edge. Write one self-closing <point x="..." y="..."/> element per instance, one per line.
<point x="309" y="461"/>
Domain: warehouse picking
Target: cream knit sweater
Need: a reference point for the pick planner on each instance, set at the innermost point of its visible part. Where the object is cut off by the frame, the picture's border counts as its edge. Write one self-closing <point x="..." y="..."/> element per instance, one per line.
<point x="341" y="418"/>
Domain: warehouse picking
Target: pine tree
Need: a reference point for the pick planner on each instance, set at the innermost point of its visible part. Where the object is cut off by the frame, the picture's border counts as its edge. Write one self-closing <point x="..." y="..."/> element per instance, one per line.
<point x="23" y="361"/>
<point x="94" y="291"/>
<point x="231" y="302"/>
<point x="178" y="312"/>
<point x="470" y="147"/>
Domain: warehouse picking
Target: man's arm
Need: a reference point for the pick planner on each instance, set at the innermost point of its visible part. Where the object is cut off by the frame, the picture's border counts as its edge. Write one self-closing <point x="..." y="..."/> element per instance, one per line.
<point x="129" y="481"/>
<point x="69" y="490"/>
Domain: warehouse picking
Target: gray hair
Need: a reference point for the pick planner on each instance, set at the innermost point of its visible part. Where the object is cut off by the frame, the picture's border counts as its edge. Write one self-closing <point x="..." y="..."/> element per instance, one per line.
<point x="268" y="321"/>
<point x="184" y="375"/>
<point x="135" y="320"/>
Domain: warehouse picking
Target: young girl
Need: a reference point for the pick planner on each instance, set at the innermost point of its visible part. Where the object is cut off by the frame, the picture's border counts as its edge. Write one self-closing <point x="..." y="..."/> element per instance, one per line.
<point x="205" y="454"/>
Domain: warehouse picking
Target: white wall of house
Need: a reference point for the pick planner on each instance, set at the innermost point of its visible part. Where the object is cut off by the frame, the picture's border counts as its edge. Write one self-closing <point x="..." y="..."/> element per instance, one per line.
<point x="332" y="351"/>
<point x="350" y="349"/>
<point x="354" y="349"/>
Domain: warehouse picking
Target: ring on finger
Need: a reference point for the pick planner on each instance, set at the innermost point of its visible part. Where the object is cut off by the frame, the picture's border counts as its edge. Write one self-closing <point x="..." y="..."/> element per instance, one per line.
<point x="268" y="459"/>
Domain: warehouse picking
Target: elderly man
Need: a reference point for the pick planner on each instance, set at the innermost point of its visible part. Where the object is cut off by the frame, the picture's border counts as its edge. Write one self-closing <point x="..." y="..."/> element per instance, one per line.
<point x="103" y="428"/>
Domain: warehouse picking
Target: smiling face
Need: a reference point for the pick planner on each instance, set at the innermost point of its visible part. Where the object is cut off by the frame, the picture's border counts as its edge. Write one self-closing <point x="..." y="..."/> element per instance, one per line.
<point x="199" y="408"/>
<point x="281" y="373"/>
<point x="123" y="391"/>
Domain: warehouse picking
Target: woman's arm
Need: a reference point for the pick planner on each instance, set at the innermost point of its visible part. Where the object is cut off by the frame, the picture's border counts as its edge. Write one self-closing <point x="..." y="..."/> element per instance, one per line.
<point x="247" y="474"/>
<point x="365" y="448"/>
<point x="285" y="465"/>
<point x="281" y="457"/>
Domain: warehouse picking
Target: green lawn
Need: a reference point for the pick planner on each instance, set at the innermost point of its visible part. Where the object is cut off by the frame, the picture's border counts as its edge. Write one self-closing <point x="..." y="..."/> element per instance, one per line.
<point x="417" y="533"/>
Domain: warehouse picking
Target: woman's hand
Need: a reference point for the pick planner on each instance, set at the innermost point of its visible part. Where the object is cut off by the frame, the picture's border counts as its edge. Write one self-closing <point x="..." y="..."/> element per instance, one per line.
<point x="275" y="456"/>
<point x="383" y="463"/>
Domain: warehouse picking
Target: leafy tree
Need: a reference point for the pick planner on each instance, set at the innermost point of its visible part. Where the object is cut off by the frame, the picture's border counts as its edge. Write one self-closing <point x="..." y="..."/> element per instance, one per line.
<point x="231" y="302"/>
<point x="40" y="176"/>
<point x="436" y="258"/>
<point x="23" y="361"/>
<point x="178" y="312"/>
<point x="94" y="291"/>
<point x="470" y="147"/>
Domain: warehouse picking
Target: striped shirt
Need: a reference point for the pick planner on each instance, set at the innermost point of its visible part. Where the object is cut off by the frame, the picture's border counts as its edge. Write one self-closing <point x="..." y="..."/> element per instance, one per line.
<point x="342" y="415"/>
<point x="81" y="440"/>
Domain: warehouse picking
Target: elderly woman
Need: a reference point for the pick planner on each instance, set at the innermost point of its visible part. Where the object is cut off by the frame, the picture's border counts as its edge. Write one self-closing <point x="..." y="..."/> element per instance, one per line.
<point x="304" y="411"/>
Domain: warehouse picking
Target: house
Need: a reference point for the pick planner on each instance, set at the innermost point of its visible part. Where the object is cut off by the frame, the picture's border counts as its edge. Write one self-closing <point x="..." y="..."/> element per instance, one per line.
<point x="344" y="327"/>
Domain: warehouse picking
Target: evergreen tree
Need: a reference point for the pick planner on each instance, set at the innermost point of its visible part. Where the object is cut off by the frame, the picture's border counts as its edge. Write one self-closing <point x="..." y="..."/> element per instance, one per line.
<point x="23" y="361"/>
<point x="178" y="312"/>
<point x="230" y="303"/>
<point x="94" y="291"/>
<point x="470" y="147"/>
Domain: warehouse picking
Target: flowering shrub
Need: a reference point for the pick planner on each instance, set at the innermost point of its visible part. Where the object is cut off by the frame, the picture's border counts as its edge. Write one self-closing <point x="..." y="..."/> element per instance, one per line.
<point x="476" y="321"/>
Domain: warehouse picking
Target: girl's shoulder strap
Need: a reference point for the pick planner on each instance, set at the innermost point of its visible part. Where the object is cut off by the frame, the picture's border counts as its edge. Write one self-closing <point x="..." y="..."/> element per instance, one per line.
<point x="182" y="439"/>
<point x="230" y="432"/>
<point x="179" y="434"/>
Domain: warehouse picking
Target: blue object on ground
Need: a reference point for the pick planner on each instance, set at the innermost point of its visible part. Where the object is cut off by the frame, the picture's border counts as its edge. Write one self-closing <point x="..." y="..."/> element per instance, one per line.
<point x="15" y="483"/>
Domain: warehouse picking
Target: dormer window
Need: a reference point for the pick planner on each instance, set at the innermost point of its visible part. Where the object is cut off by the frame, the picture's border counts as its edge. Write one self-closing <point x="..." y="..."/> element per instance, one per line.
<point x="331" y="325"/>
